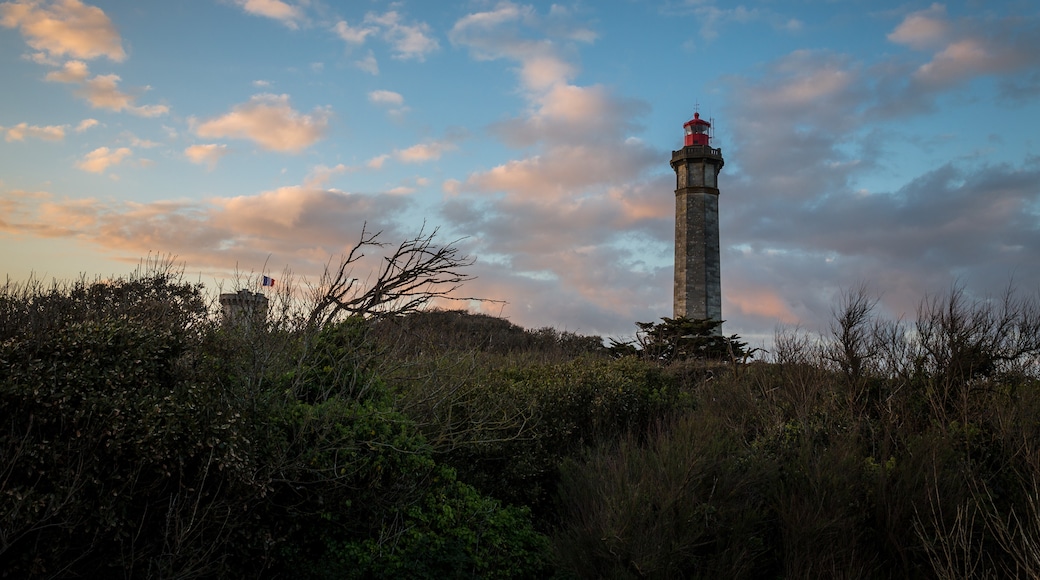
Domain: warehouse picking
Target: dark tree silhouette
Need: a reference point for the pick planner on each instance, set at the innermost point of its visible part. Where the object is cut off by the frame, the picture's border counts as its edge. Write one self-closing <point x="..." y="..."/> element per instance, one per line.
<point x="414" y="274"/>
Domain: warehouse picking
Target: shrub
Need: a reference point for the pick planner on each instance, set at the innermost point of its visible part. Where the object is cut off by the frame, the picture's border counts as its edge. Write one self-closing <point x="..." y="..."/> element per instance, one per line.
<point x="690" y="502"/>
<point x="557" y="410"/>
<point x="145" y="441"/>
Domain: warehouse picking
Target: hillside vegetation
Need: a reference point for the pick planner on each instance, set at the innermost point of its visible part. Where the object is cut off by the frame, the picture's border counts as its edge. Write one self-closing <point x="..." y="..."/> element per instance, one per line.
<point x="143" y="436"/>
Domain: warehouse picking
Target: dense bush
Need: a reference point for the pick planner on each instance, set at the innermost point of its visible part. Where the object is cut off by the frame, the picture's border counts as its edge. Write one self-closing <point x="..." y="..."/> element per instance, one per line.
<point x="877" y="452"/>
<point x="688" y="500"/>
<point x="141" y="439"/>
<point x="141" y="436"/>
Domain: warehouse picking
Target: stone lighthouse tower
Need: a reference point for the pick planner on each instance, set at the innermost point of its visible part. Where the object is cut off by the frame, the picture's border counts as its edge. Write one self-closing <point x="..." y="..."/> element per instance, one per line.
<point x="698" y="283"/>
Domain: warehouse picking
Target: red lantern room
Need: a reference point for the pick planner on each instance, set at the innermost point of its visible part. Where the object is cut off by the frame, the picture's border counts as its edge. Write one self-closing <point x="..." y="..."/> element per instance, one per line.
<point x="696" y="131"/>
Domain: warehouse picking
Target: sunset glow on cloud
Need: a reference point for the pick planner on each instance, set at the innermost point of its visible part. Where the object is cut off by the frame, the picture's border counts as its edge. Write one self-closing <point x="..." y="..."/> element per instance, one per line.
<point x="22" y="130"/>
<point x="64" y="28"/>
<point x="888" y="144"/>
<point x="270" y="121"/>
<point x="100" y="159"/>
<point x="276" y="9"/>
<point x="207" y="154"/>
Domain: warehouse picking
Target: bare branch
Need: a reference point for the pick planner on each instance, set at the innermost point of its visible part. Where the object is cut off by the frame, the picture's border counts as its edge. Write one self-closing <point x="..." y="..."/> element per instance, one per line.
<point x="417" y="272"/>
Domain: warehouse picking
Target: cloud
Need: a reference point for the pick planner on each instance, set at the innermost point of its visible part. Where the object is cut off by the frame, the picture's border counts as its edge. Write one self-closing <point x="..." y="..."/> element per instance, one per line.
<point x="814" y="103"/>
<point x="270" y="121"/>
<point x="564" y="171"/>
<point x="571" y="114"/>
<point x="377" y="161"/>
<point x="575" y="227"/>
<point x="560" y="111"/>
<point x="102" y="91"/>
<point x="591" y="289"/>
<point x="393" y="102"/>
<point x="423" y="152"/>
<point x="714" y="20"/>
<point x="807" y="129"/>
<point x="967" y="48"/>
<point x="500" y="33"/>
<point x="283" y="12"/>
<point x="138" y="142"/>
<point x="511" y="31"/>
<point x="386" y="98"/>
<point x="73" y="71"/>
<point x="22" y="130"/>
<point x="368" y="64"/>
<point x="965" y="59"/>
<point x="100" y="159"/>
<point x="321" y="174"/>
<point x="761" y="302"/>
<point x="86" y="124"/>
<point x="221" y="232"/>
<point x="64" y="28"/>
<point x="353" y="34"/>
<point x="585" y="209"/>
<point x="208" y="154"/>
<point x="923" y="29"/>
<point x="407" y="41"/>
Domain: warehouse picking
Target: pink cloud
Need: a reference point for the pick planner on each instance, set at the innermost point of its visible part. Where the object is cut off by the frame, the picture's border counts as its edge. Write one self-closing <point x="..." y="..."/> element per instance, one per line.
<point x="208" y="154"/>
<point x="423" y="152"/>
<point x="966" y="48"/>
<point x="927" y="28"/>
<point x="102" y="91"/>
<point x="964" y="59"/>
<point x="566" y="170"/>
<point x="270" y="121"/>
<point x="65" y="27"/>
<point x="287" y="14"/>
<point x="100" y="159"/>
<point x="762" y="302"/>
<point x="86" y="124"/>
<point x="22" y="130"/>
<point x="300" y="227"/>
<point x="73" y="71"/>
<point x="377" y="161"/>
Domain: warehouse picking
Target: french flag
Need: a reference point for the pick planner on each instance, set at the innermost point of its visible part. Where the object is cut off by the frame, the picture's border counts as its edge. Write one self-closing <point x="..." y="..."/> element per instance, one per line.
<point x="267" y="281"/>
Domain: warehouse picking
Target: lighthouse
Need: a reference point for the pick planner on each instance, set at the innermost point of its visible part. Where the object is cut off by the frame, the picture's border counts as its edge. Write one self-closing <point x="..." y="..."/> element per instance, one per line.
<point x="697" y="292"/>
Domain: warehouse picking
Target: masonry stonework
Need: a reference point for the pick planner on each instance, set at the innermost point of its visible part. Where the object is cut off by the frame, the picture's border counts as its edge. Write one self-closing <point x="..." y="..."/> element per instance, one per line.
<point x="697" y="290"/>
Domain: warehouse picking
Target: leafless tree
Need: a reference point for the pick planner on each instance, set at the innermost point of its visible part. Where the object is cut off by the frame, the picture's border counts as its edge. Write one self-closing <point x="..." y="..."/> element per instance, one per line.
<point x="414" y="274"/>
<point x="855" y="332"/>
<point x="964" y="338"/>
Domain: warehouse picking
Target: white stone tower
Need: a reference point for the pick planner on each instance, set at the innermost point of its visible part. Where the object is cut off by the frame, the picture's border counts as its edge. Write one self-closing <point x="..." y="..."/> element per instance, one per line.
<point x="698" y="281"/>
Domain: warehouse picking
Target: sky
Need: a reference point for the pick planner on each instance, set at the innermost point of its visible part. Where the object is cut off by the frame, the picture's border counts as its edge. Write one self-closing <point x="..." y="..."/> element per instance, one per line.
<point x="891" y="145"/>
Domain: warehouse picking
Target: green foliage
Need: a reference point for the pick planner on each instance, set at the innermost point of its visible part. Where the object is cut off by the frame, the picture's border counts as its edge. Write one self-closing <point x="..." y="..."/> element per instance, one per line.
<point x="106" y="445"/>
<point x="556" y="411"/>
<point x="457" y="331"/>
<point x="143" y="440"/>
<point x="383" y="507"/>
<point x="679" y="339"/>
<point x="451" y="532"/>
<point x="340" y="362"/>
<point x="686" y="501"/>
